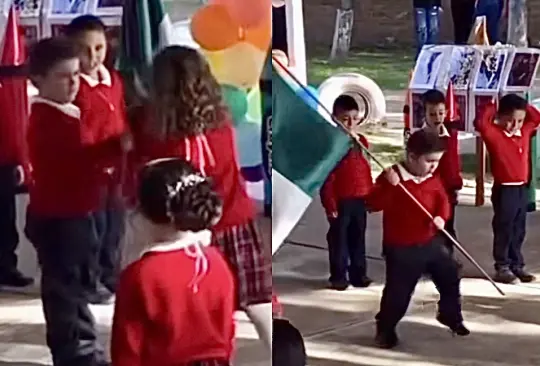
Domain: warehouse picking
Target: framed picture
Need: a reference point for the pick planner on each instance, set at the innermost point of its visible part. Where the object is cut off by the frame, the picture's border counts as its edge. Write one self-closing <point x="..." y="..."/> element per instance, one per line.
<point x="463" y="62"/>
<point x="26" y="8"/>
<point x="428" y="67"/>
<point x="108" y="7"/>
<point x="417" y="109"/>
<point x="463" y="111"/>
<point x="71" y="7"/>
<point x="480" y="103"/>
<point x="489" y="76"/>
<point x="522" y="69"/>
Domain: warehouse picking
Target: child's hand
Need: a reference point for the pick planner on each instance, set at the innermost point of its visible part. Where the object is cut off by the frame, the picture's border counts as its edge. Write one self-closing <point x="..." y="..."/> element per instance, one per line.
<point x="439" y="222"/>
<point x="392" y="176"/>
<point x="332" y="215"/>
<point x="126" y="141"/>
<point x="19" y="175"/>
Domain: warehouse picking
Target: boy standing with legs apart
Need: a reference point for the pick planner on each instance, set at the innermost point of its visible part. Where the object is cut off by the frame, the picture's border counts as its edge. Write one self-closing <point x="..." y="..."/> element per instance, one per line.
<point x="449" y="170"/>
<point x="342" y="196"/>
<point x="64" y="195"/>
<point x="508" y="143"/>
<point x="175" y="305"/>
<point x="412" y="244"/>
<point x="101" y="100"/>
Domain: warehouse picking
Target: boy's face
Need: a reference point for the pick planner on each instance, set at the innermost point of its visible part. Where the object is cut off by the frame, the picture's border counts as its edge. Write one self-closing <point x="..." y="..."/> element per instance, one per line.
<point x="423" y="165"/>
<point x="349" y="118"/>
<point x="435" y="114"/>
<point x="92" y="50"/>
<point x="61" y="83"/>
<point x="514" y="121"/>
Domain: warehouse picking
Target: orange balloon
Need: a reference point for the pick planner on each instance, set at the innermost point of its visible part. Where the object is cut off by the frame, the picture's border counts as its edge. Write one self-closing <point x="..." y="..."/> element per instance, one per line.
<point x="248" y="13"/>
<point x="260" y="36"/>
<point x="213" y="28"/>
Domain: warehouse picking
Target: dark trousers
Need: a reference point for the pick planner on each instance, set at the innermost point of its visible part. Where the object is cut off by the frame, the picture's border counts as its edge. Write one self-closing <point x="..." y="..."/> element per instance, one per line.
<point x="450" y="227"/>
<point x="67" y="251"/>
<point x="347" y="242"/>
<point x="463" y="18"/>
<point x="492" y="10"/>
<point x="509" y="225"/>
<point x="9" y="237"/>
<point x="427" y="26"/>
<point x="110" y="223"/>
<point x="404" y="268"/>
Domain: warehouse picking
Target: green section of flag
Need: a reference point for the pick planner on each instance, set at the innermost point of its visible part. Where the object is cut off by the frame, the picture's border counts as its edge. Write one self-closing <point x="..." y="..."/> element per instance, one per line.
<point x="305" y="146"/>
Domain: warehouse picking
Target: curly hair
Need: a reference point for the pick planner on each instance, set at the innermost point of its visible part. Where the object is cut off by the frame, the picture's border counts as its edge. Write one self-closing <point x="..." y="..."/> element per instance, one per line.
<point x="173" y="192"/>
<point x="186" y="97"/>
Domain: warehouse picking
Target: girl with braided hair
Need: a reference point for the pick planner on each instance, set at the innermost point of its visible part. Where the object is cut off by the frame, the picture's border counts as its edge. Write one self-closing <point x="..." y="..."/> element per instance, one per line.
<point x="175" y="305"/>
<point x="187" y="118"/>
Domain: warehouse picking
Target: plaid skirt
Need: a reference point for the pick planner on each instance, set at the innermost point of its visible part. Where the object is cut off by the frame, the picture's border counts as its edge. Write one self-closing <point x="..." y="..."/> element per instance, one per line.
<point x="243" y="249"/>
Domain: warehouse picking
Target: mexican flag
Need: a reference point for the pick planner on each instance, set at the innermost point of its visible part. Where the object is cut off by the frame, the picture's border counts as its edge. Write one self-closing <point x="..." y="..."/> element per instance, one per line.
<point x="306" y="148"/>
<point x="146" y="29"/>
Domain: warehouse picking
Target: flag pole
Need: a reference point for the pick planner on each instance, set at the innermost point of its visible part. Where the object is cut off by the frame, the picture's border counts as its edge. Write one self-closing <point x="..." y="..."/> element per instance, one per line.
<point x="377" y="161"/>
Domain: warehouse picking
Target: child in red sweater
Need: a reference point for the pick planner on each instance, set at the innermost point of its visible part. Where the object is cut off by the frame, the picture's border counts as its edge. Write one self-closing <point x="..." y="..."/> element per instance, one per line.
<point x="449" y="170"/>
<point x="64" y="196"/>
<point x="342" y="197"/>
<point x="187" y="118"/>
<point x="101" y="100"/>
<point x="412" y="244"/>
<point x="175" y="305"/>
<point x="508" y="144"/>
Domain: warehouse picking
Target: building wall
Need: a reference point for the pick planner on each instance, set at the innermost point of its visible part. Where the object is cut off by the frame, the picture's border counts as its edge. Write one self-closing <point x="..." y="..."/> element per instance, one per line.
<point x="383" y="22"/>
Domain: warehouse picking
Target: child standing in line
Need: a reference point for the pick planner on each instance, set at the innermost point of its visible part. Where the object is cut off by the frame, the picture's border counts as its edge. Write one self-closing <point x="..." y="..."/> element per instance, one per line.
<point x="175" y="305"/>
<point x="187" y="118"/>
<point x="343" y="198"/>
<point x="508" y="144"/>
<point x="101" y="100"/>
<point x="449" y="170"/>
<point x="412" y="245"/>
<point x="64" y="196"/>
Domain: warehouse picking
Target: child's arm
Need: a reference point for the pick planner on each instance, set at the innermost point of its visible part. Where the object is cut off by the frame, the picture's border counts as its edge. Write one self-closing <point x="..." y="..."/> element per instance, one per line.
<point x="127" y="329"/>
<point x="328" y="198"/>
<point x="484" y="123"/>
<point x="532" y="120"/>
<point x="382" y="192"/>
<point x="443" y="209"/>
<point x="450" y="167"/>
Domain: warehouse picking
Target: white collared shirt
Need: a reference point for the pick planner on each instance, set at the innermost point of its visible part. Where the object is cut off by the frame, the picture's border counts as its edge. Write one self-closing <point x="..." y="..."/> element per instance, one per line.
<point x="441" y="129"/>
<point x="516" y="133"/>
<point x="105" y="78"/>
<point x="69" y="109"/>
<point x="406" y="176"/>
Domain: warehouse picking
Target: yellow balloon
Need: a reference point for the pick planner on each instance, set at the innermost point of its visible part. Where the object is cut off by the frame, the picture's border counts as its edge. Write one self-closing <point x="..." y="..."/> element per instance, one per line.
<point x="240" y="65"/>
<point x="254" y="105"/>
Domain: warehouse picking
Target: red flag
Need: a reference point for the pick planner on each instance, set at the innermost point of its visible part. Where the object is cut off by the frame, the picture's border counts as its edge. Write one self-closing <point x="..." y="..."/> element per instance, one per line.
<point x="407" y="107"/>
<point x="452" y="108"/>
<point x="13" y="97"/>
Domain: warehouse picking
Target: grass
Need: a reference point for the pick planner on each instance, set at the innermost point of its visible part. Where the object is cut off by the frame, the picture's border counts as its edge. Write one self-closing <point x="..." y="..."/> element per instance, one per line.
<point x="388" y="68"/>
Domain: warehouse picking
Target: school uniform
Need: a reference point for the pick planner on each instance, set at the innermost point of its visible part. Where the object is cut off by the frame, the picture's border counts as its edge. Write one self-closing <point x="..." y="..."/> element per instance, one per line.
<point x="236" y="234"/>
<point x="175" y="306"/>
<point x="103" y="107"/>
<point x="412" y="246"/>
<point x="344" y="193"/>
<point x="509" y="158"/>
<point x="64" y="194"/>
<point x="449" y="171"/>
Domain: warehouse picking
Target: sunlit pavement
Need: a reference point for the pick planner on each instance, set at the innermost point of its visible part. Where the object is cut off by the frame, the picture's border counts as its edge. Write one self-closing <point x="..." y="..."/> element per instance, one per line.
<point x="339" y="328"/>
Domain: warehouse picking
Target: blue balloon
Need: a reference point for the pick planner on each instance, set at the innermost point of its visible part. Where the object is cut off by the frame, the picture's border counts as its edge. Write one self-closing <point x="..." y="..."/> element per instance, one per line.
<point x="248" y="143"/>
<point x="304" y="93"/>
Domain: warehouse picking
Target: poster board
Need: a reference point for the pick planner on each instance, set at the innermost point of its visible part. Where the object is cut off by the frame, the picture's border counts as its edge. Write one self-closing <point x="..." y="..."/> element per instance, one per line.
<point x="29" y="18"/>
<point x="522" y="67"/>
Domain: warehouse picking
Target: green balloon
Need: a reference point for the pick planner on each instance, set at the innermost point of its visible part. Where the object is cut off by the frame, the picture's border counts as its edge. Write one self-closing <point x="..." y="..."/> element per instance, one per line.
<point x="236" y="100"/>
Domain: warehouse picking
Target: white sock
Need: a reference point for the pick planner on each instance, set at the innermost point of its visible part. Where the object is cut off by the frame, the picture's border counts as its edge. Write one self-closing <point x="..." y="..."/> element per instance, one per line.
<point x="261" y="317"/>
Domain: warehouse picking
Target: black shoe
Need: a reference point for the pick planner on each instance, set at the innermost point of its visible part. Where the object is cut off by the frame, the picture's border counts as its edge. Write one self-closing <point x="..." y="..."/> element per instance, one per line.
<point x="15" y="278"/>
<point x="457" y="329"/>
<point x="102" y="296"/>
<point x="504" y="275"/>
<point x="386" y="339"/>
<point x="523" y="275"/>
<point x="365" y="281"/>
<point x="339" y="286"/>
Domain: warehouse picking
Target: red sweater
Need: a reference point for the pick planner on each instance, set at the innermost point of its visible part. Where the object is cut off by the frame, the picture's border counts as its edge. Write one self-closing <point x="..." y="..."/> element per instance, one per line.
<point x="404" y="223"/>
<point x="65" y="181"/>
<point x="13" y="120"/>
<point x="350" y="179"/>
<point x="449" y="169"/>
<point x="160" y="320"/>
<point x="104" y="114"/>
<point x="214" y="153"/>
<point x="509" y="155"/>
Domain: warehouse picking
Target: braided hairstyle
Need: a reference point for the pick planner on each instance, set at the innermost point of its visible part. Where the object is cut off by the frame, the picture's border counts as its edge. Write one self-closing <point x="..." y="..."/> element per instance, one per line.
<point x="187" y="99"/>
<point x="172" y="191"/>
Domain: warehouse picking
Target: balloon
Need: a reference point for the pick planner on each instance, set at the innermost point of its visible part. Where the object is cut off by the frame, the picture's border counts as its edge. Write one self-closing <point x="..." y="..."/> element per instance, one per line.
<point x="260" y="36"/>
<point x="248" y="13"/>
<point x="236" y="100"/>
<point x="240" y="65"/>
<point x="213" y="28"/>
<point x="254" y="104"/>
<point x="303" y="93"/>
<point x="248" y="143"/>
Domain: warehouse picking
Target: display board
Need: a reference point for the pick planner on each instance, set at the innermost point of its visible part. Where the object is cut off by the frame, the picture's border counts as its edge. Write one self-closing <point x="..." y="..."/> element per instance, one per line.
<point x="29" y="19"/>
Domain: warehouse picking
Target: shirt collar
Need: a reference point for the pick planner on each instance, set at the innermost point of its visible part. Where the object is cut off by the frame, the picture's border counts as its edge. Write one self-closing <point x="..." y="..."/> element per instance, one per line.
<point x="442" y="130"/>
<point x="69" y="109"/>
<point x="104" y="78"/>
<point x="406" y="176"/>
<point x="516" y="133"/>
